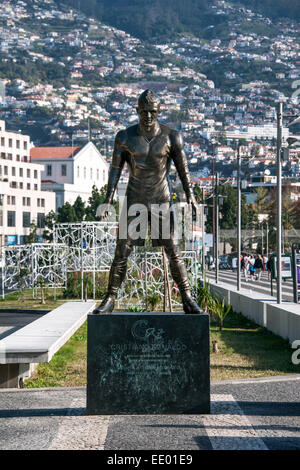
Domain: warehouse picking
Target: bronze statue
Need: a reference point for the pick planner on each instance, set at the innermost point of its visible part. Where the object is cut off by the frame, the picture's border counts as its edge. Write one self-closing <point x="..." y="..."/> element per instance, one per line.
<point x="148" y="148"/>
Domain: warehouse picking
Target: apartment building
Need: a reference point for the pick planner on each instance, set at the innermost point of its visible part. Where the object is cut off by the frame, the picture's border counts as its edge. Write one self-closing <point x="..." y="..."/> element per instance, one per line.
<point x="71" y="171"/>
<point x="22" y="201"/>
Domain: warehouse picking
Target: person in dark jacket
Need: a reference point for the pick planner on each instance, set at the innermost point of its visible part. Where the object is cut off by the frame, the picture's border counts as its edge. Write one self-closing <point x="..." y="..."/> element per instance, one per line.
<point x="258" y="265"/>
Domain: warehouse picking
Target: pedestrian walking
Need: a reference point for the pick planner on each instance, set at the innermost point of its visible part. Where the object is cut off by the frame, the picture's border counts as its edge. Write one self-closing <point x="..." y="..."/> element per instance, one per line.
<point x="251" y="267"/>
<point x="258" y="265"/>
<point x="269" y="268"/>
<point x="245" y="266"/>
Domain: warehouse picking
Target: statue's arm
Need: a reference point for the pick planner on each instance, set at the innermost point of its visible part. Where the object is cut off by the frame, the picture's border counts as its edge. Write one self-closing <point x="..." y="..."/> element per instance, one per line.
<point x="181" y="165"/>
<point x="117" y="165"/>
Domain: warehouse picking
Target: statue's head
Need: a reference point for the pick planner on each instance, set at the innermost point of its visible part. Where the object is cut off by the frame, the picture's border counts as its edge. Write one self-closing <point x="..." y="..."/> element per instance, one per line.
<point x="148" y="108"/>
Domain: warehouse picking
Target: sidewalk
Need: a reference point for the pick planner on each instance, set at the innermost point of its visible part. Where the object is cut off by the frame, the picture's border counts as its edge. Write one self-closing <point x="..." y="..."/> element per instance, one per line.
<point x="255" y="414"/>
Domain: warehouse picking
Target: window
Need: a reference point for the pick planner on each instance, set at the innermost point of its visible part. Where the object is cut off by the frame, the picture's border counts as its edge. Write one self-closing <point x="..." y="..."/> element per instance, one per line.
<point x="9" y="156"/>
<point x="0" y="170"/>
<point x="25" y="145"/>
<point x="28" y="173"/>
<point x="43" y="202"/>
<point x="28" y="201"/>
<point x="11" y="218"/>
<point x="24" y="201"/>
<point x="38" y="202"/>
<point x="49" y="170"/>
<point x="78" y="172"/>
<point x="10" y="143"/>
<point x="26" y="219"/>
<point x="35" y="174"/>
<point x="64" y="170"/>
<point x="28" y="185"/>
<point x="18" y="158"/>
<point x="18" y="144"/>
<point x="2" y="141"/>
<point x="21" y="185"/>
<point x="1" y="218"/>
<point x="35" y="187"/>
<point x="21" y="172"/>
<point x="25" y="158"/>
<point x="91" y="173"/>
<point x="11" y="200"/>
<point x="103" y="175"/>
<point x="40" y="220"/>
<point x="6" y="170"/>
<point x="97" y="173"/>
<point x="13" y="171"/>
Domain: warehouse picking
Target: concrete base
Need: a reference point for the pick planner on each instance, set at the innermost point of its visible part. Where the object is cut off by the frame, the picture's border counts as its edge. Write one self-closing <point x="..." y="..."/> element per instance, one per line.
<point x="281" y="319"/>
<point x="9" y="376"/>
<point x="148" y="363"/>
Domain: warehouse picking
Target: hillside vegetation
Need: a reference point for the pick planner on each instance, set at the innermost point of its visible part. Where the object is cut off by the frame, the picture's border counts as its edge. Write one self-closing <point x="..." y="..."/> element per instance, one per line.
<point x="152" y="19"/>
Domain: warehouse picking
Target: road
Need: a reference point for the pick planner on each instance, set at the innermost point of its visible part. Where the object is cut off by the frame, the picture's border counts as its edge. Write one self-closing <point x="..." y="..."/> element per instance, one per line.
<point x="263" y="286"/>
<point x="257" y="414"/>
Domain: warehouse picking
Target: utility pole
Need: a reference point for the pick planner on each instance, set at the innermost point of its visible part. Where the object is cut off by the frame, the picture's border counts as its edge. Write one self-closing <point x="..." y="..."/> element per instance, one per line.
<point x="213" y="192"/>
<point x="279" y="201"/>
<point x="267" y="240"/>
<point x="217" y="228"/>
<point x="238" y="241"/>
<point x="203" y="235"/>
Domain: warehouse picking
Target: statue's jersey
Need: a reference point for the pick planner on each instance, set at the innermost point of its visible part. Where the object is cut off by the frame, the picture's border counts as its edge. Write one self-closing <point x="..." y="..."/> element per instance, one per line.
<point x="149" y="163"/>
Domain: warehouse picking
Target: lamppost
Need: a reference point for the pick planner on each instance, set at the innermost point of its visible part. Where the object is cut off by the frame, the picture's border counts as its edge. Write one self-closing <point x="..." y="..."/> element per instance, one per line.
<point x="279" y="201"/>
<point x="279" y="157"/>
<point x="238" y="235"/>
<point x="217" y="202"/>
<point x="216" y="238"/>
<point x="203" y="233"/>
<point x="213" y="143"/>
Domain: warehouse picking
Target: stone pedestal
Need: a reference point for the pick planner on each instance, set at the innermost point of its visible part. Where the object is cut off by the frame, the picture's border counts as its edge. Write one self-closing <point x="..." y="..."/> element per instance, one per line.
<point x="148" y="363"/>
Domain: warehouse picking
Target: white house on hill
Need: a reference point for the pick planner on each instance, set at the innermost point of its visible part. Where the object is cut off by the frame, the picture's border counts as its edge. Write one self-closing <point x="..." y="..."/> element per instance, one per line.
<point x="71" y="171"/>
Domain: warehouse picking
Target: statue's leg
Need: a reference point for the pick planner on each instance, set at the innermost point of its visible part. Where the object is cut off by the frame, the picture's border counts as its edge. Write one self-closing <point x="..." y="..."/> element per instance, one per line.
<point x="116" y="276"/>
<point x="179" y="274"/>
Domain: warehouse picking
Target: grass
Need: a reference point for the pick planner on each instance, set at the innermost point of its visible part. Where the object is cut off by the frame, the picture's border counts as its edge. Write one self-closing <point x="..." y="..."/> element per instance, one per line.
<point x="67" y="368"/>
<point x="246" y="350"/>
<point x="13" y="300"/>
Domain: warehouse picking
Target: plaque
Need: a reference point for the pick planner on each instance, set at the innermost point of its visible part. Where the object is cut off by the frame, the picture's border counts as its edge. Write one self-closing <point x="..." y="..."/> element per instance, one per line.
<point x="148" y="363"/>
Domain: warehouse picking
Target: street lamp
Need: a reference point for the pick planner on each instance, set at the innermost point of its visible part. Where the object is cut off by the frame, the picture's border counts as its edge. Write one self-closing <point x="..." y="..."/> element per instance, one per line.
<point x="279" y="201"/>
<point x="203" y="233"/>
<point x="216" y="238"/>
<point x="279" y="157"/>
<point x="238" y="235"/>
<point x="218" y="202"/>
<point x="213" y="143"/>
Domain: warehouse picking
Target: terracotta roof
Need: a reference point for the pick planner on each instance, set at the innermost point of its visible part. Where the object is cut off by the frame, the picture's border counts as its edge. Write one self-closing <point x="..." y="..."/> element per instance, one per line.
<point x="53" y="153"/>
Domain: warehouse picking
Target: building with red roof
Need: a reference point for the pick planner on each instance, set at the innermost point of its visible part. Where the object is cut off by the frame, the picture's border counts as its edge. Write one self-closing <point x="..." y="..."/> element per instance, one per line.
<point x="71" y="171"/>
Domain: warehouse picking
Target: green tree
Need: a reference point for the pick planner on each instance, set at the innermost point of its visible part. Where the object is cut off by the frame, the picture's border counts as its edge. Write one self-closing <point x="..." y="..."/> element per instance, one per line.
<point x="97" y="197"/>
<point x="261" y="202"/>
<point x="33" y="236"/>
<point x="50" y="221"/>
<point x="79" y="208"/>
<point x="66" y="213"/>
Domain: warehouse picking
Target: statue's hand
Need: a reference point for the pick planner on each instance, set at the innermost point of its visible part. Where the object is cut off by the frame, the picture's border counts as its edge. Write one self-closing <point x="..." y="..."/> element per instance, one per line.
<point x="104" y="209"/>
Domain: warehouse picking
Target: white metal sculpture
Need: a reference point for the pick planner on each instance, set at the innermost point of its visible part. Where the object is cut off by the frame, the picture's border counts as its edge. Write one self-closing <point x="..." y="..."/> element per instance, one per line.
<point x="87" y="247"/>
